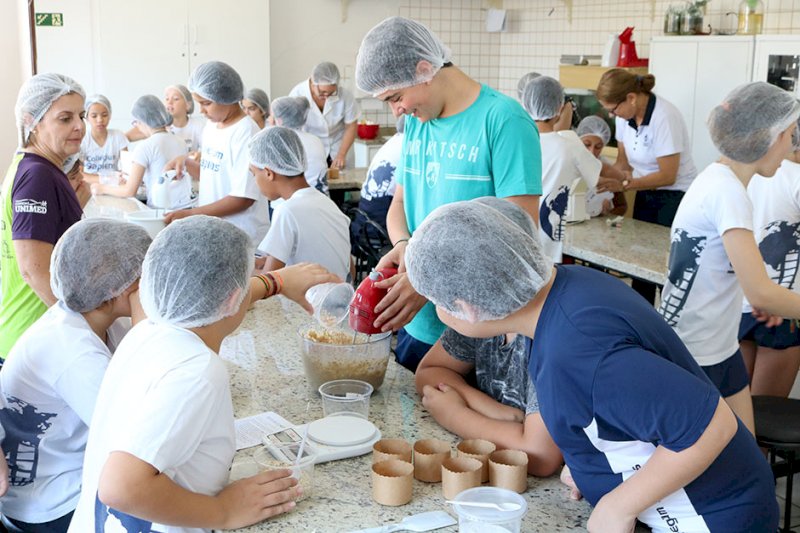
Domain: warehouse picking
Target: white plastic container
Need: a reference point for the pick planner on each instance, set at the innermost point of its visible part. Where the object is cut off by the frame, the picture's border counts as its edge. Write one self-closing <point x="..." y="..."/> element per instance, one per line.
<point x="611" y="51"/>
<point x="149" y="219"/>
<point x="485" y="520"/>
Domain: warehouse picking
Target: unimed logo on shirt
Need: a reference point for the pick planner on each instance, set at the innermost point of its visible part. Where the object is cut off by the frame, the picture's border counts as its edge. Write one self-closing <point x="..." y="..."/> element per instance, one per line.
<point x="30" y="206"/>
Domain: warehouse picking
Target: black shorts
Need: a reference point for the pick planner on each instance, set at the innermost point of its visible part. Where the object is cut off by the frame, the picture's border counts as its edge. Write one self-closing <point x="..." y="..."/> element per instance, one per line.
<point x="780" y="337"/>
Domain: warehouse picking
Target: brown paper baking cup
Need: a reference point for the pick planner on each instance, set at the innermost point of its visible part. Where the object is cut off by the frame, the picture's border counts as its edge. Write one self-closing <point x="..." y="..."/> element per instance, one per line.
<point x="508" y="469"/>
<point x="386" y="449"/>
<point x="459" y="474"/>
<point x="392" y="481"/>
<point x="477" y="449"/>
<point x="428" y="457"/>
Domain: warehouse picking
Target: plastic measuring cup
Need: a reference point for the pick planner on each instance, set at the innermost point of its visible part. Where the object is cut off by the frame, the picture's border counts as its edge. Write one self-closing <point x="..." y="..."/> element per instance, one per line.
<point x="286" y="457"/>
<point x="331" y="302"/>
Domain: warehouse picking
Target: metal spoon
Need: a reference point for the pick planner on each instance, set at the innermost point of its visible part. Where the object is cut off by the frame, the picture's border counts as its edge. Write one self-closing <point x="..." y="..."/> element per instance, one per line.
<point x="505" y="506"/>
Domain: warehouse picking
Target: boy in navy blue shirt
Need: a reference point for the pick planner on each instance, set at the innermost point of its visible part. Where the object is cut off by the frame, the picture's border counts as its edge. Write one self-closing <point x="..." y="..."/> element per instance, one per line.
<point x="644" y="432"/>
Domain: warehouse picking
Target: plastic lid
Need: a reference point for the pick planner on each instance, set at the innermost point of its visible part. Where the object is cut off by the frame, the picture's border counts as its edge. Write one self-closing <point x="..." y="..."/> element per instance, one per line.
<point x="342" y="430"/>
<point x="491" y="495"/>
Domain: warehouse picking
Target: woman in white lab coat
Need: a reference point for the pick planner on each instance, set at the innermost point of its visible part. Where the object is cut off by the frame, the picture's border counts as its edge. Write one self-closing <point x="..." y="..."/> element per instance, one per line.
<point x="334" y="112"/>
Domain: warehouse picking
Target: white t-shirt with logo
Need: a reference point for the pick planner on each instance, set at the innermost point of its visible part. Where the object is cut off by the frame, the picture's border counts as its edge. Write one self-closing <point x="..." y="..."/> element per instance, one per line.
<point x="381" y="180"/>
<point x="153" y="154"/>
<point x="776" y="224"/>
<point x="191" y="133"/>
<point x="666" y="134"/>
<point x="50" y="382"/>
<point x="564" y="159"/>
<point x="316" y="159"/>
<point x="309" y="227"/>
<point x="225" y="171"/>
<point x="166" y="400"/>
<point x="329" y="124"/>
<point x="96" y="158"/>
<point x="702" y="299"/>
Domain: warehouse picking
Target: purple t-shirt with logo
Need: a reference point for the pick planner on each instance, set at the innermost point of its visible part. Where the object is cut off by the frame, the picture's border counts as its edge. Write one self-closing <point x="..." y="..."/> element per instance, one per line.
<point x="44" y="204"/>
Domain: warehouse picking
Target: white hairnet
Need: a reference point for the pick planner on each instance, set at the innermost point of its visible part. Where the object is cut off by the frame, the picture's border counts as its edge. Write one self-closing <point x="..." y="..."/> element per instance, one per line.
<point x="523" y="81"/>
<point x="260" y="98"/>
<point x="478" y="260"/>
<point x="35" y="98"/>
<point x="390" y="52"/>
<point x="400" y="125"/>
<point x="97" y="99"/>
<point x="749" y="120"/>
<point x="193" y="269"/>
<point x="278" y="149"/>
<point x="326" y="73"/>
<point x="543" y="97"/>
<point x="150" y="110"/>
<point x="95" y="260"/>
<point x="292" y="111"/>
<point x="187" y="95"/>
<point x="218" y="82"/>
<point x="594" y="125"/>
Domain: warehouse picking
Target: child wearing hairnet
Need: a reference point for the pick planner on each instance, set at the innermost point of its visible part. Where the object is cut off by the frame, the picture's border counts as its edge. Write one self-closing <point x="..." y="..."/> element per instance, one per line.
<point x="772" y="354"/>
<point x="291" y="112"/>
<point x="462" y="140"/>
<point x="501" y="406"/>
<point x="256" y="104"/>
<point x="52" y="376"/>
<point x="564" y="161"/>
<point x="162" y="437"/>
<point x="594" y="133"/>
<point x="101" y="146"/>
<point x="179" y="104"/>
<point x="307" y="225"/>
<point x="642" y="428"/>
<point x="150" y="156"/>
<point x="227" y="188"/>
<point x="714" y="258"/>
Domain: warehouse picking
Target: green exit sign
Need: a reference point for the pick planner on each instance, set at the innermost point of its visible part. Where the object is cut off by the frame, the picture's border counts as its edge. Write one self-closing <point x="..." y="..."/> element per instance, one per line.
<point x="49" y="19"/>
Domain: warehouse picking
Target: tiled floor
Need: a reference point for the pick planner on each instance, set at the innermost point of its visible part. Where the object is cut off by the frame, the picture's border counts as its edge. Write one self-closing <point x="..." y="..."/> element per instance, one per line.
<point x="780" y="490"/>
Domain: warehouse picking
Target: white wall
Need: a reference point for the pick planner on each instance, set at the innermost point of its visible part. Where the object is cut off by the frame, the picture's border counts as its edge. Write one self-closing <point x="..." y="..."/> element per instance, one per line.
<point x="16" y="49"/>
<point x="305" y="33"/>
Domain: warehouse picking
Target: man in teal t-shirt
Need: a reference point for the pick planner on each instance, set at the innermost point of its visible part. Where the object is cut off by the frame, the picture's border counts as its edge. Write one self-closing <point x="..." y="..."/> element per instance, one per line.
<point x="463" y="140"/>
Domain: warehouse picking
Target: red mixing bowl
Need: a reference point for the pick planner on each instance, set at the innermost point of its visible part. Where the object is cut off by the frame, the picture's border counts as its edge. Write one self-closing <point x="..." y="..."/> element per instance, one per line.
<point x="368" y="131"/>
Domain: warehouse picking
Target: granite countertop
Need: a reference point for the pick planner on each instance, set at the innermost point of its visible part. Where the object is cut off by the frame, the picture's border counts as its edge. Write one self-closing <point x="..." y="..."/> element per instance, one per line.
<point x="264" y="361"/>
<point x="349" y="179"/>
<point x="638" y="249"/>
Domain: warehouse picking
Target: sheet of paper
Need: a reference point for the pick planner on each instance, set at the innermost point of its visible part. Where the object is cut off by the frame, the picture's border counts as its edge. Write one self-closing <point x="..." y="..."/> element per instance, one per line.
<point x="251" y="430"/>
<point x="496" y="20"/>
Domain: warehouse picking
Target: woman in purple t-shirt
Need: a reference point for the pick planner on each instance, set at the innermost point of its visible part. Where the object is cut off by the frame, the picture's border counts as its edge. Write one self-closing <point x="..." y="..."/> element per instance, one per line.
<point x="38" y="202"/>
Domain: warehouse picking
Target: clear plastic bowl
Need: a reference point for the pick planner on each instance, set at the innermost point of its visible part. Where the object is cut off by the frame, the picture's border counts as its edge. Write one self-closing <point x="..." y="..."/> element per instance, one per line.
<point x="331" y="302"/>
<point x="329" y="355"/>
<point x="346" y="396"/>
<point x="483" y="519"/>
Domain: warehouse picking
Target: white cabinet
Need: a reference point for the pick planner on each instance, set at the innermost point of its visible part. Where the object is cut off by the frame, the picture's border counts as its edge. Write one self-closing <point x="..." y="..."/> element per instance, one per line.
<point x="777" y="61"/>
<point x="127" y="49"/>
<point x="364" y="152"/>
<point x="695" y="74"/>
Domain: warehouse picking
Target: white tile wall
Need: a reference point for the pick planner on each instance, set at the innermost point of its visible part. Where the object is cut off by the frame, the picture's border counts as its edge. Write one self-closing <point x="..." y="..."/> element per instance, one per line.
<point x="540" y="32"/>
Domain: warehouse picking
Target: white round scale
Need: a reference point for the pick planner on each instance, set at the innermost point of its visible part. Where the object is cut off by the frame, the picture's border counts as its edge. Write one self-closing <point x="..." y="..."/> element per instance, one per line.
<point x="341" y="430"/>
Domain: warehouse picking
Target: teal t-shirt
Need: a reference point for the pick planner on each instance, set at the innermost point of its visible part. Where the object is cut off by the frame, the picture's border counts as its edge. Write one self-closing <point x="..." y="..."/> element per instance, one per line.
<point x="489" y="149"/>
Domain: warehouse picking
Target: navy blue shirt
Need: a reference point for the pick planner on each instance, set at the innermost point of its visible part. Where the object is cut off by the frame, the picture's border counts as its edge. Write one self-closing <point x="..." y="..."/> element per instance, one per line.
<point x="614" y="381"/>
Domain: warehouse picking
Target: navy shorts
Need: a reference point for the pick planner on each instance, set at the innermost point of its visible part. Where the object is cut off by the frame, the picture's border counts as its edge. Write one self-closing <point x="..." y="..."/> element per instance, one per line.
<point x="410" y="351"/>
<point x="729" y="376"/>
<point x="778" y="338"/>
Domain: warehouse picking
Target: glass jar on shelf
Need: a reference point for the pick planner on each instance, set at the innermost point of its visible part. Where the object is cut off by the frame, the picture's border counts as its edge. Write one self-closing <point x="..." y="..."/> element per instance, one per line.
<point x="751" y="17"/>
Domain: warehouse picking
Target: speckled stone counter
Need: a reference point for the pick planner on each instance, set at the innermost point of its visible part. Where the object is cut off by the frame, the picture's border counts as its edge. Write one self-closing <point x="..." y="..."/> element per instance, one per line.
<point x="266" y="370"/>
<point x="350" y="179"/>
<point x="638" y="249"/>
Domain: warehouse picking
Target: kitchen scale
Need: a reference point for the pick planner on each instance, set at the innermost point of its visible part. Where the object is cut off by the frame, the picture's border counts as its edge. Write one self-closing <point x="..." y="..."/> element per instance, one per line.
<point x="333" y="437"/>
